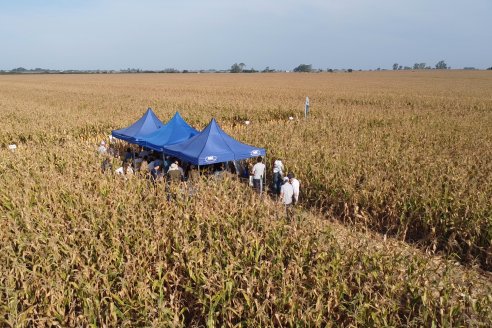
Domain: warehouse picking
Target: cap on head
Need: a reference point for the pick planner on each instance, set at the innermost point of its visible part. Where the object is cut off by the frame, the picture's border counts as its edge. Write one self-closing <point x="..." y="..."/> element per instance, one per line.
<point x="290" y="175"/>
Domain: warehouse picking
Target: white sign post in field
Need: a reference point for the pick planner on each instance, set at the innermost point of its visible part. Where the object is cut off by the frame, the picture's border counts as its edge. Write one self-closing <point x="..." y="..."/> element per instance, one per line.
<point x="306" y="108"/>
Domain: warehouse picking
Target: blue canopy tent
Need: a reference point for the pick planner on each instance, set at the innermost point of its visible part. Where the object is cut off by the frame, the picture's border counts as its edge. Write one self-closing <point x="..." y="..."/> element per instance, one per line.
<point x="212" y="145"/>
<point x="174" y="131"/>
<point x="145" y="126"/>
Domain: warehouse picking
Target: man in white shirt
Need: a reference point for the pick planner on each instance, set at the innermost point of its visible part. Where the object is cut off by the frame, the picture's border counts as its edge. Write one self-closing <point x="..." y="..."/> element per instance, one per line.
<point x="296" y="185"/>
<point x="258" y="174"/>
<point x="286" y="195"/>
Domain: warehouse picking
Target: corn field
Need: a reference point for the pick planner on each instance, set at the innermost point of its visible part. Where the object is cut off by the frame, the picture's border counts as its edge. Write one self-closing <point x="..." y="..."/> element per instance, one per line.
<point x="394" y="227"/>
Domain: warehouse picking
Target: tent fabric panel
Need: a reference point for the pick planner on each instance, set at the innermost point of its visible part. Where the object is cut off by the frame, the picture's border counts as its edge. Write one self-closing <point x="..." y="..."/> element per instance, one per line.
<point x="211" y="146"/>
<point x="254" y="152"/>
<point x="122" y="136"/>
<point x="144" y="126"/>
<point x="173" y="132"/>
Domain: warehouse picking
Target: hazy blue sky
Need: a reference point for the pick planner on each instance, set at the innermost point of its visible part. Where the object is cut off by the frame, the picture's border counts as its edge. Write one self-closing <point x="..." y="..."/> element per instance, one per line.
<point x="194" y="34"/>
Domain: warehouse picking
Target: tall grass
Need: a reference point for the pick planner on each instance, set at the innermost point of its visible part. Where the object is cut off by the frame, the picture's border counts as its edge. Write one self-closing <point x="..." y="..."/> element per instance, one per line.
<point x="80" y="248"/>
<point x="406" y="154"/>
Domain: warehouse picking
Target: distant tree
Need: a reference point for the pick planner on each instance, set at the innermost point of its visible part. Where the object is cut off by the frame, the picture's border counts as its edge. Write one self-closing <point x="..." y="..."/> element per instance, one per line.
<point x="303" y="68"/>
<point x="395" y="66"/>
<point x="490" y="68"/>
<point x="419" y="66"/>
<point x="252" y="70"/>
<point x="400" y="68"/>
<point x="168" y="70"/>
<point x="242" y="65"/>
<point x="268" y="70"/>
<point x="329" y="70"/>
<point x="441" y="65"/>
<point x="406" y="68"/>
<point x="350" y="70"/>
<point x="236" y="68"/>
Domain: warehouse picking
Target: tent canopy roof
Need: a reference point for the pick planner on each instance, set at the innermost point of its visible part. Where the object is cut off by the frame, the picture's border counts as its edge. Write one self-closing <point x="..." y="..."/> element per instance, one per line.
<point x="174" y="131"/>
<point x="212" y="145"/>
<point x="145" y="126"/>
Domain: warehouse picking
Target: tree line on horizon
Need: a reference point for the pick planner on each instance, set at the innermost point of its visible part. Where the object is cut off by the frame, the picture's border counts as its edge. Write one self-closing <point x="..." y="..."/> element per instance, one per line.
<point x="235" y="68"/>
<point x="439" y="65"/>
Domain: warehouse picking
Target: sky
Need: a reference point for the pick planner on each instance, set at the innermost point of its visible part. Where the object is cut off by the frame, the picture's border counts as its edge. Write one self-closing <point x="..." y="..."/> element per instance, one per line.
<point x="214" y="34"/>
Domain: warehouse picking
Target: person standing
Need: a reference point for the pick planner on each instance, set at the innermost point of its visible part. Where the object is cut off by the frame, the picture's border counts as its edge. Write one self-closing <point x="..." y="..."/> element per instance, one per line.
<point x="286" y="196"/>
<point x="125" y="170"/>
<point x="153" y="163"/>
<point x="155" y="173"/>
<point x="296" y="185"/>
<point x="250" y="173"/>
<point x="128" y="156"/>
<point x="102" y="150"/>
<point x="278" y="174"/>
<point x="106" y="165"/>
<point x="219" y="170"/>
<point x="173" y="182"/>
<point x="174" y="175"/>
<point x="180" y="169"/>
<point x="167" y="163"/>
<point x="258" y="173"/>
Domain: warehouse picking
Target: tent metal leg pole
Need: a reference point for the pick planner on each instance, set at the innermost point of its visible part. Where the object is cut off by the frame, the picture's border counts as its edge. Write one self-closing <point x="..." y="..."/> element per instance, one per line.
<point x="264" y="185"/>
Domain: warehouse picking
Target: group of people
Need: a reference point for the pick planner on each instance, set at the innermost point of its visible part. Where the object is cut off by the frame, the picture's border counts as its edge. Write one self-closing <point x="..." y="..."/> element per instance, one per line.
<point x="286" y="186"/>
<point x="154" y="166"/>
<point x="146" y="163"/>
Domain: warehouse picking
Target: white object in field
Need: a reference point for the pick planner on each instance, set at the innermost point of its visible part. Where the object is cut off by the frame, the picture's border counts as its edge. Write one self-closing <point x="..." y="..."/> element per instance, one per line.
<point x="110" y="138"/>
<point x="247" y="122"/>
<point x="12" y="147"/>
<point x="306" y="108"/>
<point x="291" y="118"/>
